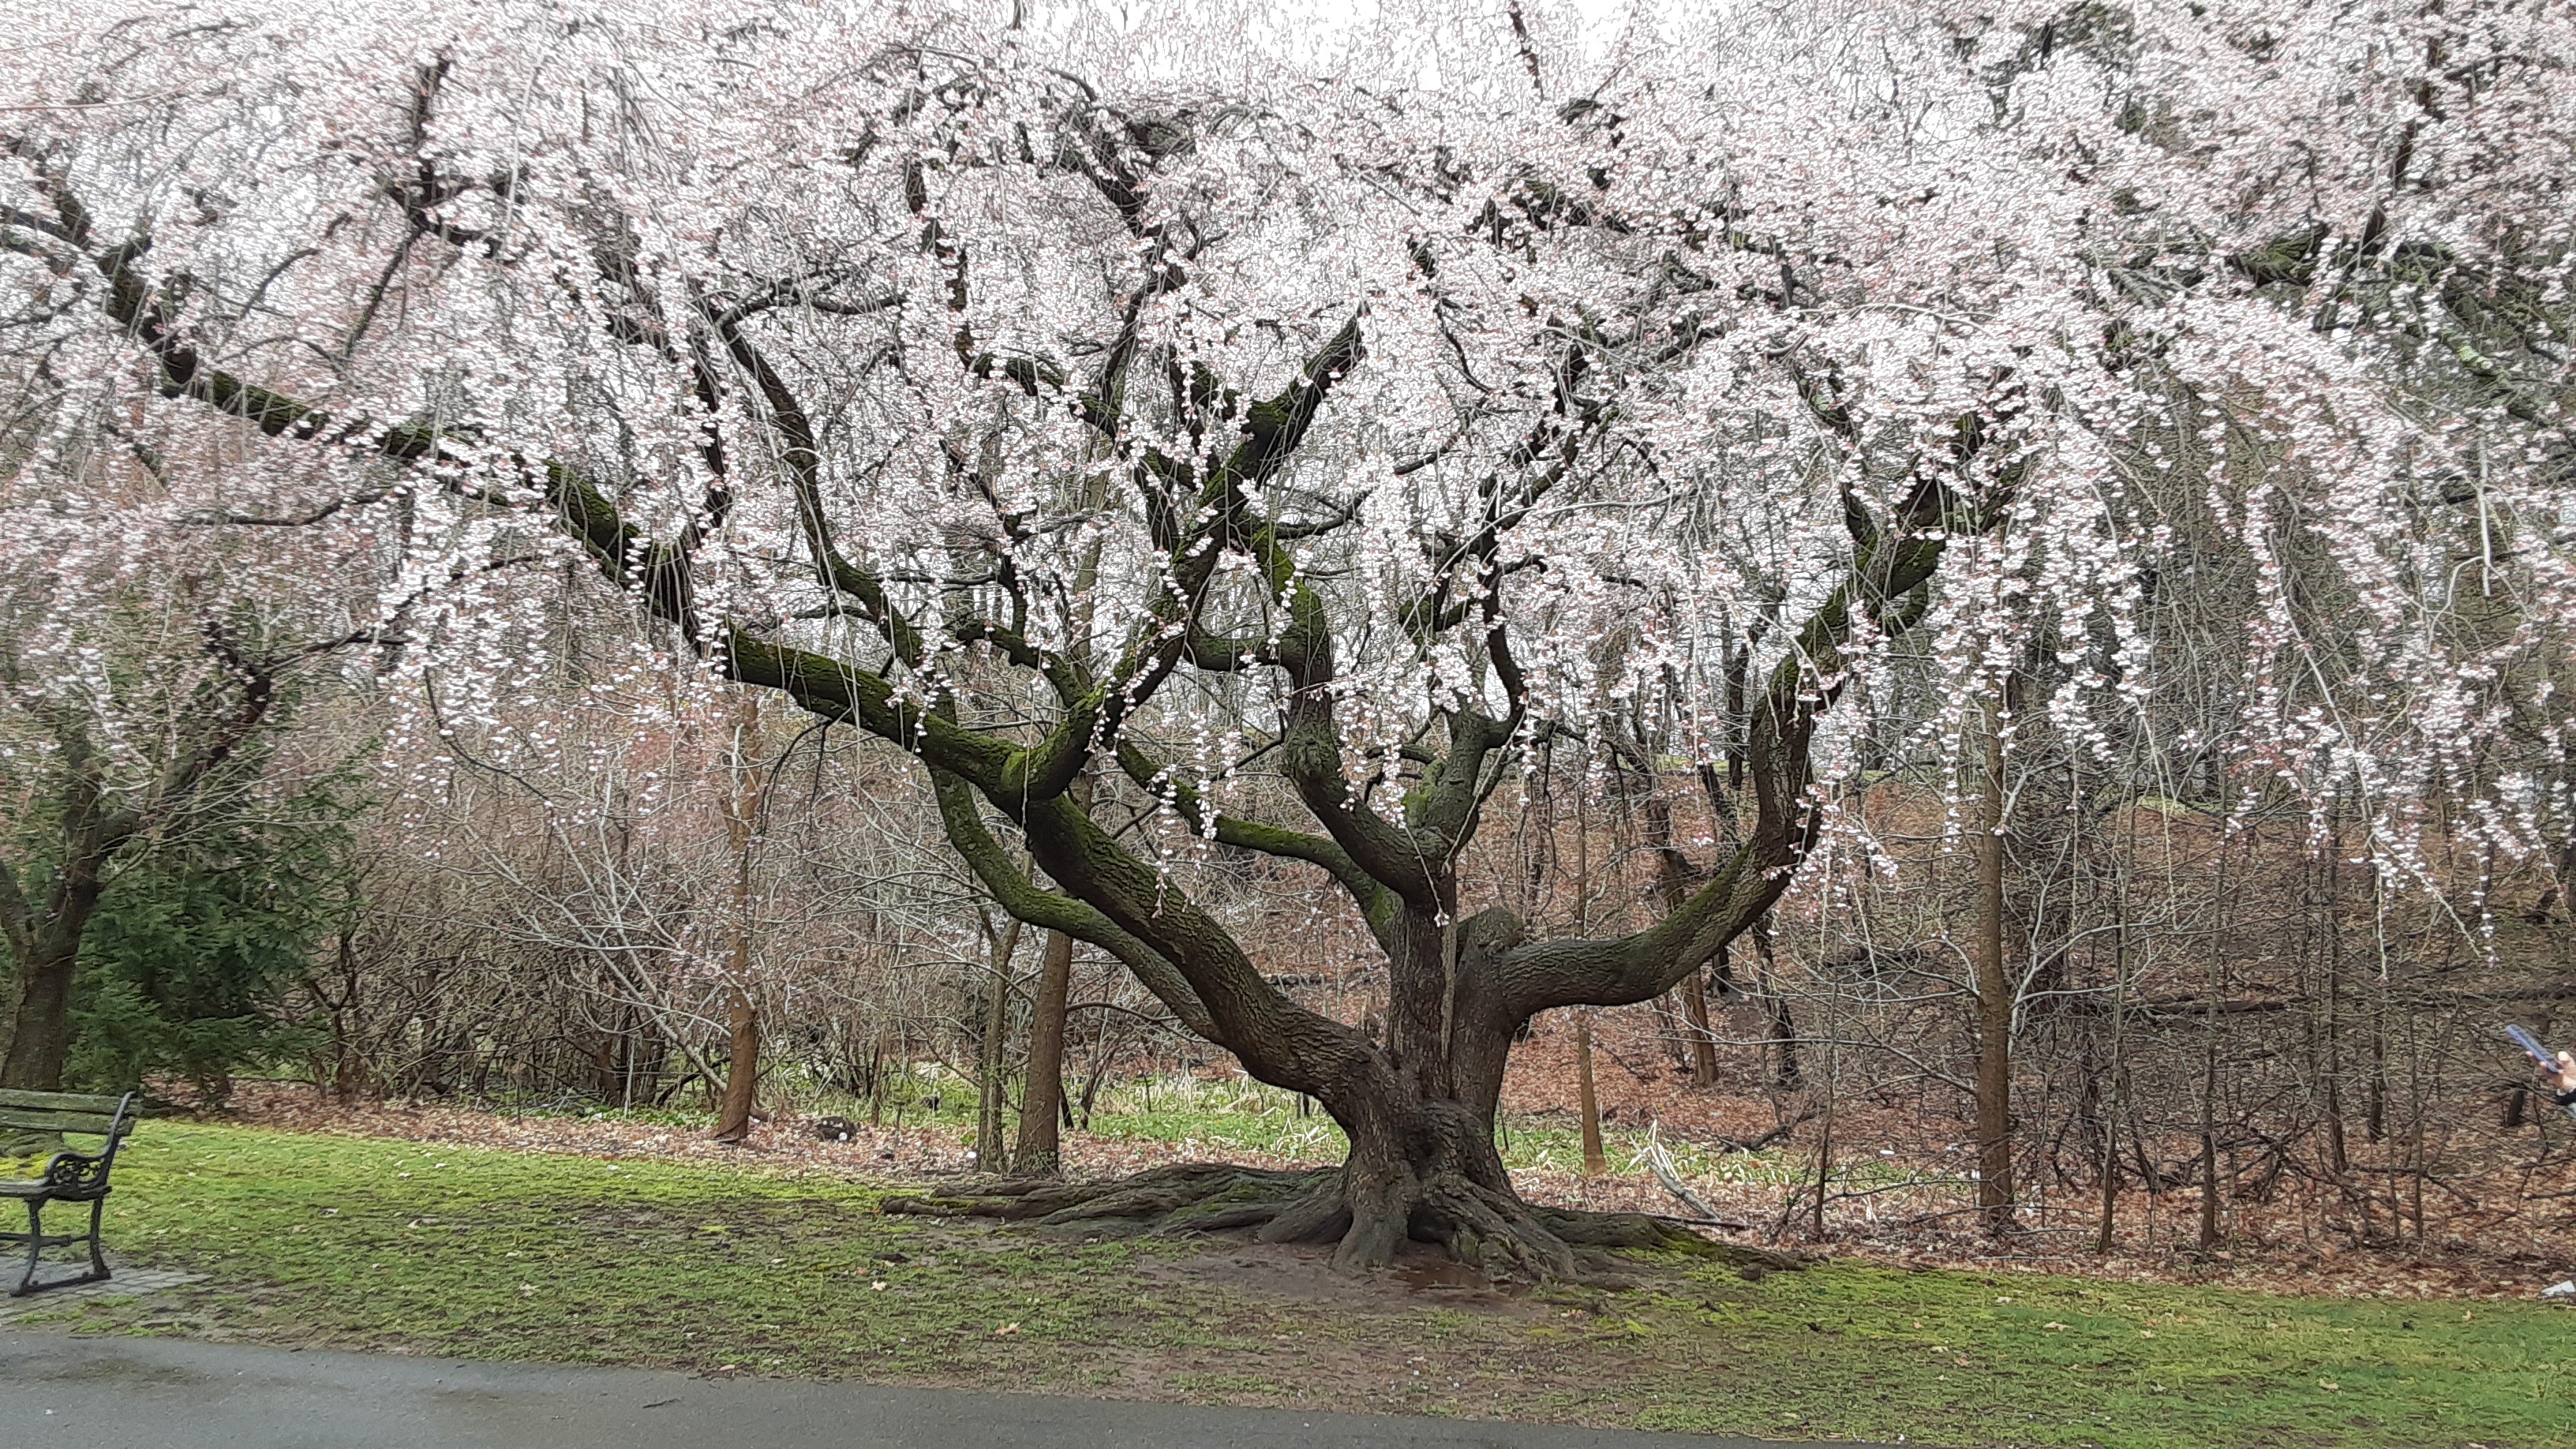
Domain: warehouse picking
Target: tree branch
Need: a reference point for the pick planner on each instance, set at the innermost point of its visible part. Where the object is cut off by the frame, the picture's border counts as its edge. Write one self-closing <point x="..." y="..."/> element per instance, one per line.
<point x="1050" y="911"/>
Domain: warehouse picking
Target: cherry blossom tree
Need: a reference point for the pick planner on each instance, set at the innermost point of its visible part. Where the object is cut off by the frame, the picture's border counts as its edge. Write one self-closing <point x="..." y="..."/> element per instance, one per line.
<point x="1202" y="398"/>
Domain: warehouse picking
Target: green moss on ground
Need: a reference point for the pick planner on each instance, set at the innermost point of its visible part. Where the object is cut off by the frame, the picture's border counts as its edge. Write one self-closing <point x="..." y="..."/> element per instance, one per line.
<point x="370" y="1243"/>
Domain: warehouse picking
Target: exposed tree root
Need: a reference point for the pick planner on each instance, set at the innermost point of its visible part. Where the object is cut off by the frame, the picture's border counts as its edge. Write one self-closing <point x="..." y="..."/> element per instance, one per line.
<point x="1366" y="1217"/>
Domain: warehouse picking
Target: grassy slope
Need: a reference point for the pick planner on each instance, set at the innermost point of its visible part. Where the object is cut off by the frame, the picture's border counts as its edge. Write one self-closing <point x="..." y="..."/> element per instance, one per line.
<point x="502" y="1255"/>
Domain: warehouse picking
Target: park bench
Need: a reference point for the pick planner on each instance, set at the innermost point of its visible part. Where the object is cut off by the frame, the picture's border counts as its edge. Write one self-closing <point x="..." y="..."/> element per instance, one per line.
<point x="69" y="1177"/>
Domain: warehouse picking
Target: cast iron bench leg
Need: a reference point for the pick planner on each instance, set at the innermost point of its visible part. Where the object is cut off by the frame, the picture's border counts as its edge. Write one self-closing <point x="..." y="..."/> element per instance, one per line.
<point x="35" y="1248"/>
<point x="97" y="1251"/>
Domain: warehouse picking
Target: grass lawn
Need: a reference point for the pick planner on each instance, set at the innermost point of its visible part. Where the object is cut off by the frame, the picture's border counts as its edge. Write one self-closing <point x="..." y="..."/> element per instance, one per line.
<point x="381" y="1244"/>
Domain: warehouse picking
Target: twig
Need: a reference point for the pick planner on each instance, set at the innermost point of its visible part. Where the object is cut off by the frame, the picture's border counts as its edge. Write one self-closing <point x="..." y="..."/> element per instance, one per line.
<point x="1659" y="1161"/>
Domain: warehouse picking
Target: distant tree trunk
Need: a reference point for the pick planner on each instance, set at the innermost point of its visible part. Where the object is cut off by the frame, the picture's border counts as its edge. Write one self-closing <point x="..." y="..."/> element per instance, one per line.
<point x="2110" y="1168"/>
<point x="1587" y="1102"/>
<point x="48" y="944"/>
<point x="40" y="1041"/>
<point x="1673" y="875"/>
<point x="2338" y="1150"/>
<point x="1042" y="1097"/>
<point x="2116" y="1104"/>
<point x="2209" y="1214"/>
<point x="1703" y="1040"/>
<point x="877" y="1056"/>
<point x="46" y="940"/>
<point x="1784" y="1025"/>
<point x="742" y="1072"/>
<point x="2375" y="1117"/>
<point x="1994" y="998"/>
<point x="993" y="1057"/>
<point x="742" y="1043"/>
<point x="2217" y="988"/>
<point x="1824" y="1151"/>
<point x="743" y="805"/>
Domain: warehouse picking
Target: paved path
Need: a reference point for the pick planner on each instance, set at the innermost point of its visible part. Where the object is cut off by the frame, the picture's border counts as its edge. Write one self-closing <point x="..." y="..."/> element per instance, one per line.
<point x="124" y="1282"/>
<point x="63" y="1392"/>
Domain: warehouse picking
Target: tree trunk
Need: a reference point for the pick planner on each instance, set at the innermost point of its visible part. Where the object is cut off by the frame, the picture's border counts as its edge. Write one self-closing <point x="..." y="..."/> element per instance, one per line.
<point x="2110" y="1183"/>
<point x="1672" y="879"/>
<point x="993" y="1057"/>
<point x="2338" y="1150"/>
<point x="742" y="1072"/>
<point x="2215" y="990"/>
<point x="1824" y="1154"/>
<point x="1042" y="1096"/>
<point x="1042" y="1104"/>
<point x="1784" y="1024"/>
<point x="1595" y="1161"/>
<point x="1703" y="1041"/>
<point x="41" y="1040"/>
<point x="40" y="1037"/>
<point x="744" y="802"/>
<point x="1994" y="999"/>
<point x="877" y="1058"/>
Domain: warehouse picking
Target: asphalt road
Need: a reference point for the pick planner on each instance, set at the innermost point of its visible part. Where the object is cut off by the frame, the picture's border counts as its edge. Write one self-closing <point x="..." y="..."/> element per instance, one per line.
<point x="61" y="1392"/>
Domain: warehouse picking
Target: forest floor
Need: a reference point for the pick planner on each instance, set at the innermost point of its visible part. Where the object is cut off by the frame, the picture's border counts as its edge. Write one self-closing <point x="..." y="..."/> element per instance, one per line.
<point x="773" y="1262"/>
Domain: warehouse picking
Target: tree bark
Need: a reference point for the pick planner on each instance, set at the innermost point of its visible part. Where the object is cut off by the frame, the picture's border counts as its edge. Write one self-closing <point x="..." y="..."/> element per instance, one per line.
<point x="48" y="947"/>
<point x="1784" y="1022"/>
<point x="1588" y="1102"/>
<point x="1042" y="1097"/>
<point x="742" y="1072"/>
<point x="2211" y="1227"/>
<point x="1042" y="1104"/>
<point x="1994" y="998"/>
<point x="992" y="1057"/>
<point x="40" y="1040"/>
<point x="1672" y="882"/>
<point x="1703" y="1040"/>
<point x="744" y="800"/>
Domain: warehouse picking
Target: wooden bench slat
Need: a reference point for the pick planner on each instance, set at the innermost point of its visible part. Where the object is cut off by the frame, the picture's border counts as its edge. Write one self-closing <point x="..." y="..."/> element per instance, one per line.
<point x="93" y="1123"/>
<point x="58" y="1101"/>
<point x="58" y="1125"/>
<point x="10" y="1114"/>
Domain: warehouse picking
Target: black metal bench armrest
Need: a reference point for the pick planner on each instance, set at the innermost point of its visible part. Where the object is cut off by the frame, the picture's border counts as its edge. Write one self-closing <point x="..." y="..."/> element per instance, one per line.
<point x="74" y="1176"/>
